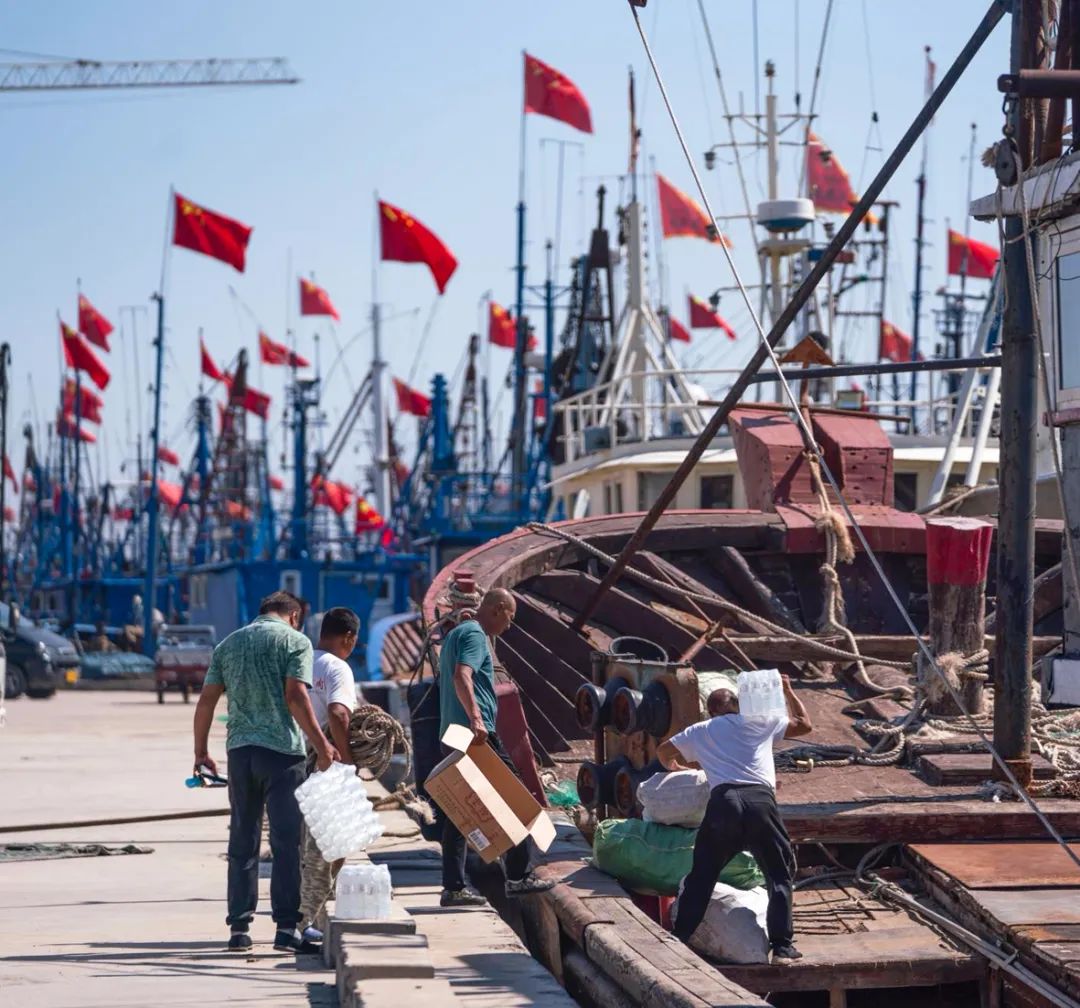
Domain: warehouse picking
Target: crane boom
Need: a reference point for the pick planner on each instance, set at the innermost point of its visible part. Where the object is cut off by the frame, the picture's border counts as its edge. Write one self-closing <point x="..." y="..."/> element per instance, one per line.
<point x="94" y="74"/>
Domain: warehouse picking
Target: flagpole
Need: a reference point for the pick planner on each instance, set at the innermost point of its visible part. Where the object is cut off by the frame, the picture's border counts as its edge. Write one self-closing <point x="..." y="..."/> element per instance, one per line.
<point x="5" y="361"/>
<point x="65" y="529"/>
<point x="518" y="426"/>
<point x="382" y="496"/>
<point x="153" y="504"/>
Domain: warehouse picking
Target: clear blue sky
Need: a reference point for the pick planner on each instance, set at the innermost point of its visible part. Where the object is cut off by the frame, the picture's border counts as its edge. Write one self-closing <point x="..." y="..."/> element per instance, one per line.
<point x="419" y="101"/>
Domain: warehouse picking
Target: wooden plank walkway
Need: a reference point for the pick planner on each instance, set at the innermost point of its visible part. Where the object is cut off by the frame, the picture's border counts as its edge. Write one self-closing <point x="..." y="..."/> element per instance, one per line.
<point x="485" y="963"/>
<point x="1027" y="895"/>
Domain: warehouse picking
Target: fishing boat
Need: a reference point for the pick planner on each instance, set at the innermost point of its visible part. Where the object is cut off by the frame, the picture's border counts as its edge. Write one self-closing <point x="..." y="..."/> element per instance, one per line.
<point x="931" y="807"/>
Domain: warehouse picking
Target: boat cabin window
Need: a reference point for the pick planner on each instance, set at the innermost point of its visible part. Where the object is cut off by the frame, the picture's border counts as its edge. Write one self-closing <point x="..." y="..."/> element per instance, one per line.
<point x="649" y="487"/>
<point x="905" y="491"/>
<point x="613" y="503"/>
<point x="718" y="492"/>
<point x="1068" y="305"/>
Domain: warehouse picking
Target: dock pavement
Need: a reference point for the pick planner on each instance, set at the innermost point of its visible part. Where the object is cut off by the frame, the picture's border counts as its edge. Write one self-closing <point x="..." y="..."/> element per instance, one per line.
<point x="149" y="929"/>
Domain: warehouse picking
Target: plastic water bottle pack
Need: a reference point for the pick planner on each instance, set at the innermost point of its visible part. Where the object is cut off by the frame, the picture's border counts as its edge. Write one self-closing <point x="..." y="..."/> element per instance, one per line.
<point x="363" y="893"/>
<point x="761" y="693"/>
<point x="335" y="806"/>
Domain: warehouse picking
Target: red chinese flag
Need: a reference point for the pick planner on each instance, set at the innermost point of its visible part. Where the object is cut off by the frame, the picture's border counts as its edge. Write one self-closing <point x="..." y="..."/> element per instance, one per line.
<point x="9" y="514"/>
<point x="271" y="352"/>
<point x="975" y="258"/>
<point x="93" y="325"/>
<point x="123" y="513"/>
<point x="335" y="496"/>
<point x="411" y="401"/>
<point x="256" y="402"/>
<point x="703" y="317"/>
<point x="237" y="511"/>
<point x="680" y="216"/>
<point x="315" y="301"/>
<point x="209" y="368"/>
<point x="677" y="331"/>
<point x="277" y="483"/>
<point x="895" y="345"/>
<point x="170" y="494"/>
<point x="404" y="239"/>
<point x="367" y="518"/>
<point x="828" y="182"/>
<point x="66" y="428"/>
<point x="79" y="356"/>
<point x="210" y="233"/>
<point x="9" y="473"/>
<point x="502" y="329"/>
<point x="830" y="186"/>
<point x="553" y="94"/>
<point x="168" y="455"/>
<point x="90" y="403"/>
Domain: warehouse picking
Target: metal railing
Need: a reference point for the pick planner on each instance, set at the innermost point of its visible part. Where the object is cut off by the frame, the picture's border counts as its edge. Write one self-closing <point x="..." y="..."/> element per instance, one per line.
<point x="615" y="413"/>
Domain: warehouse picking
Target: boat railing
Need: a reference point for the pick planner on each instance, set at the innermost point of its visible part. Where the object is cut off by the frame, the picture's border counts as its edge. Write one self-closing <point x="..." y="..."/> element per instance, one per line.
<point x="640" y="407"/>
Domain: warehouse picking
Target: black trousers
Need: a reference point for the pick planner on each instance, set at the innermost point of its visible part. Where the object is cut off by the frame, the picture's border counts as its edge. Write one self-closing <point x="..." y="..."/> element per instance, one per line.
<point x="740" y="817"/>
<point x="264" y="779"/>
<point x="454" y="849"/>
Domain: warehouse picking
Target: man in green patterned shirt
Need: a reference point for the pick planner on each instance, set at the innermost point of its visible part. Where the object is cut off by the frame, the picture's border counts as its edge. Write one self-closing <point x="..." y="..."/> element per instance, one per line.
<point x="265" y="669"/>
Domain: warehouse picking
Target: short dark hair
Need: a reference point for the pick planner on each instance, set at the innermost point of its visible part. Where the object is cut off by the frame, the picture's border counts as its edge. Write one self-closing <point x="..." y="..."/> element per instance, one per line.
<point x="280" y="603"/>
<point x="338" y="622"/>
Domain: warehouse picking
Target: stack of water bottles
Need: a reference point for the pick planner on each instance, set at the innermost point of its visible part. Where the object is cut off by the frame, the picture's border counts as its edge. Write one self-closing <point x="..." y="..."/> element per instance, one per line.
<point x="363" y="893"/>
<point x="761" y="693"/>
<point x="335" y="806"/>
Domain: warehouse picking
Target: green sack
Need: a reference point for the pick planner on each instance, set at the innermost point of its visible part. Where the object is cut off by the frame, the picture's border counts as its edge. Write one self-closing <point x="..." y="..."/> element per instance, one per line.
<point x="654" y="858"/>
<point x="563" y="795"/>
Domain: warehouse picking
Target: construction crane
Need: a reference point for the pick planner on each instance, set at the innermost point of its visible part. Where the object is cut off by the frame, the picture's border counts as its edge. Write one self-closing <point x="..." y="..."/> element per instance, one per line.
<point x="72" y="75"/>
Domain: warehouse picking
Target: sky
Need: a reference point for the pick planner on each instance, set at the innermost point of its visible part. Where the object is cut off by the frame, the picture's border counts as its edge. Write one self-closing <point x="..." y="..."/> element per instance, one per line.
<point x="420" y="102"/>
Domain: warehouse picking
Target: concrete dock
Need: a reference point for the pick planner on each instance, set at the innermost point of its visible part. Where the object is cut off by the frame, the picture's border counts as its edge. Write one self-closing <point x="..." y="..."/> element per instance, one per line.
<point x="149" y="929"/>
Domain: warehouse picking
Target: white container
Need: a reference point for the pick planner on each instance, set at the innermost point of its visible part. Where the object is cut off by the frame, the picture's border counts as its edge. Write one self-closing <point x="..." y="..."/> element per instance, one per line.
<point x="761" y="693"/>
<point x="335" y="807"/>
<point x="363" y="892"/>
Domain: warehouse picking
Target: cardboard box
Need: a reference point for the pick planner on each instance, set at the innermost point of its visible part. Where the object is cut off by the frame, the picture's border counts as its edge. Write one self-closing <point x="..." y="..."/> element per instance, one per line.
<point x="484" y="799"/>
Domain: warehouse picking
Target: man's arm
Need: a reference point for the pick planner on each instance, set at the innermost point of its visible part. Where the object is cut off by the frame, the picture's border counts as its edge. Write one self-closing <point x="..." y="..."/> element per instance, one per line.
<point x="299" y="704"/>
<point x="670" y="757"/>
<point x="209" y="696"/>
<point x="338" y="716"/>
<point x="463" y="686"/>
<point x="798" y="719"/>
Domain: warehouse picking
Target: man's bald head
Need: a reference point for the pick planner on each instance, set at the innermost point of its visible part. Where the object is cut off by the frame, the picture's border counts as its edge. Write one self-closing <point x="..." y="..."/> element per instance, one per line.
<point x="722" y="701"/>
<point x="496" y="612"/>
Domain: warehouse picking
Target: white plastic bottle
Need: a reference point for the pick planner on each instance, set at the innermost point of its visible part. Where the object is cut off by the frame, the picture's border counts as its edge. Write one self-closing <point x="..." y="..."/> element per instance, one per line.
<point x="386" y="890"/>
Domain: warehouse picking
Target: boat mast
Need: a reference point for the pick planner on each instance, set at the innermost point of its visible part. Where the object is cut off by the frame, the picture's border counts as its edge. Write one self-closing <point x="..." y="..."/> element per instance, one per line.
<point x="378" y="365"/>
<point x="920" y="222"/>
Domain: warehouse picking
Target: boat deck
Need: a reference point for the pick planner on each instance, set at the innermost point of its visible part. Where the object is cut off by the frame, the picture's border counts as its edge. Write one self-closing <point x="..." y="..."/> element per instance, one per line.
<point x="851" y="940"/>
<point x="1025" y="895"/>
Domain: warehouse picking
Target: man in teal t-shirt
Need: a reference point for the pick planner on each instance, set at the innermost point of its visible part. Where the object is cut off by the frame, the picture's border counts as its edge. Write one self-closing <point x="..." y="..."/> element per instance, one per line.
<point x="265" y="670"/>
<point x="467" y="697"/>
<point x="467" y="645"/>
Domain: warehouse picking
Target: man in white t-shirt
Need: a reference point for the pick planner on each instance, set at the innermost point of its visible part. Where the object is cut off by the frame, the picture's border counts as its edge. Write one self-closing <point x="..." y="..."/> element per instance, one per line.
<point x="333" y="689"/>
<point x="736" y="754"/>
<point x="334" y="697"/>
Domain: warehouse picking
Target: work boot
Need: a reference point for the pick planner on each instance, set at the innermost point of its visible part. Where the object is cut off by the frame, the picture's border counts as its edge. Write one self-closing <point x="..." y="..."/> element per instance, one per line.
<point x="526" y="886"/>
<point x="464" y="897"/>
<point x="239" y="941"/>
<point x="785" y="951"/>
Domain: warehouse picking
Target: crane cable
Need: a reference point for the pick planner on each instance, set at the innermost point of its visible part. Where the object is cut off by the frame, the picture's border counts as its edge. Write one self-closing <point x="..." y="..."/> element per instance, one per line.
<point x="813" y="447"/>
